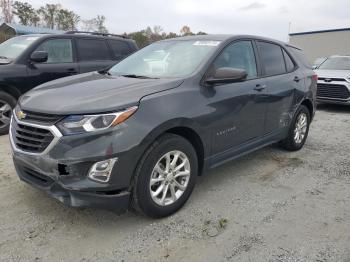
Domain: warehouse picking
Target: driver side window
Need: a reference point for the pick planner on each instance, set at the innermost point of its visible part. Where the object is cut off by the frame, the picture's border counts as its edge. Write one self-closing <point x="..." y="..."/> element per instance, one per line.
<point x="58" y="50"/>
<point x="238" y="55"/>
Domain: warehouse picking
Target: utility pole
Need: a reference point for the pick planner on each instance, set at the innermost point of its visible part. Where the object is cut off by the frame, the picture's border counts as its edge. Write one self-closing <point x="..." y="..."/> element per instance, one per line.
<point x="289" y="28"/>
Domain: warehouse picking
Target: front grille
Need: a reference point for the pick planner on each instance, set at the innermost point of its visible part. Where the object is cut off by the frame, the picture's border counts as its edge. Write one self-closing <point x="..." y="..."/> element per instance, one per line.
<point x="31" y="139"/>
<point x="333" y="91"/>
<point x="332" y="79"/>
<point x="40" y="118"/>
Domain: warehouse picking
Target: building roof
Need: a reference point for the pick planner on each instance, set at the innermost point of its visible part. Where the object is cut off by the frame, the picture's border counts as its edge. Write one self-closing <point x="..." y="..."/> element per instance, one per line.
<point x="25" y="30"/>
<point x="321" y="31"/>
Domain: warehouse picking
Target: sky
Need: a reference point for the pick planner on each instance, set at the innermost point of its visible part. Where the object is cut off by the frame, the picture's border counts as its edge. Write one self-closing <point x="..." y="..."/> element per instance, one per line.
<point x="270" y="18"/>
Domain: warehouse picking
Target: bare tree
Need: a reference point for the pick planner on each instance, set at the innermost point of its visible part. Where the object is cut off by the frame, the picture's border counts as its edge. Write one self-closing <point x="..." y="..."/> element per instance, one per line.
<point x="6" y="10"/>
<point x="89" y="25"/>
<point x="95" y="24"/>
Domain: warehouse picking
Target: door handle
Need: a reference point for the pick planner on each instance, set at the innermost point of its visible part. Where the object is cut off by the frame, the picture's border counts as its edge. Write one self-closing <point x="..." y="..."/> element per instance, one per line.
<point x="72" y="71"/>
<point x="296" y="79"/>
<point x="259" y="87"/>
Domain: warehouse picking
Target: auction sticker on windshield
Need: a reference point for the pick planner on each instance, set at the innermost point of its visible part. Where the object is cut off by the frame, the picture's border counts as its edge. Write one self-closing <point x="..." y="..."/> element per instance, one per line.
<point x="207" y="43"/>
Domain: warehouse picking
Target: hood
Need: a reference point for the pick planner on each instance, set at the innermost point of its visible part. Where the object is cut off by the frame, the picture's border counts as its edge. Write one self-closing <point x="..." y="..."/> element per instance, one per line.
<point x="91" y="93"/>
<point x="333" y="73"/>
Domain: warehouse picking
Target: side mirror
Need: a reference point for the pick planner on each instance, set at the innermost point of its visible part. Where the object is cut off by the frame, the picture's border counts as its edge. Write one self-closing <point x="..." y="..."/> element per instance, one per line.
<point x="226" y="75"/>
<point x="39" y="57"/>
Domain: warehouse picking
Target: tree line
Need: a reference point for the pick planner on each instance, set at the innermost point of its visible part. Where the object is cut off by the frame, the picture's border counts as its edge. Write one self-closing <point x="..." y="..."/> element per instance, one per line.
<point x="150" y="35"/>
<point x="55" y="16"/>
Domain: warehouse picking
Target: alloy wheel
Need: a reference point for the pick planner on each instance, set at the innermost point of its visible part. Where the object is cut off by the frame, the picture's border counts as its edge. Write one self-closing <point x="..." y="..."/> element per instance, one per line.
<point x="5" y="114"/>
<point x="170" y="178"/>
<point x="300" y="128"/>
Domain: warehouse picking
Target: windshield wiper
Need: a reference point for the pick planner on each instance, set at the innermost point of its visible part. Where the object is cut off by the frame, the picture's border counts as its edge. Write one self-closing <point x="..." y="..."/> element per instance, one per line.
<point x="104" y="72"/>
<point x="139" y="76"/>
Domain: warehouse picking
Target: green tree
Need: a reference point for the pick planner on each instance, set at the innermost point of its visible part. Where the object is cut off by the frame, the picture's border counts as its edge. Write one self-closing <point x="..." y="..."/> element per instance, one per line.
<point x="26" y="14"/>
<point x="67" y="20"/>
<point x="48" y="14"/>
<point x="140" y="38"/>
<point x="171" y="35"/>
<point x="186" y="30"/>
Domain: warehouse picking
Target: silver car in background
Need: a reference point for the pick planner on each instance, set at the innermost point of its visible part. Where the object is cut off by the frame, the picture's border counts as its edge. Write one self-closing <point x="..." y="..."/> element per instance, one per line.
<point x="333" y="84"/>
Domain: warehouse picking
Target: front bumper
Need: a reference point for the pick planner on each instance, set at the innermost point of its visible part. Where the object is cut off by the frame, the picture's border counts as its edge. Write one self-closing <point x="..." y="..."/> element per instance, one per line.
<point x="332" y="101"/>
<point x="62" y="169"/>
<point x="333" y="91"/>
<point x="116" y="200"/>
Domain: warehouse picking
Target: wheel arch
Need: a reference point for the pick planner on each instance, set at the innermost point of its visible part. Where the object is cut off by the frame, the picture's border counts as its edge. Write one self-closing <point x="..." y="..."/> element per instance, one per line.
<point x="11" y="90"/>
<point x="307" y="102"/>
<point x="186" y="129"/>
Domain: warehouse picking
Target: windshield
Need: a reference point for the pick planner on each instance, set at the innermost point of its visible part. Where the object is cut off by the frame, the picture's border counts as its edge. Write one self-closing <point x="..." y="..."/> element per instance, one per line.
<point x="13" y="47"/>
<point x="166" y="59"/>
<point x="336" y="63"/>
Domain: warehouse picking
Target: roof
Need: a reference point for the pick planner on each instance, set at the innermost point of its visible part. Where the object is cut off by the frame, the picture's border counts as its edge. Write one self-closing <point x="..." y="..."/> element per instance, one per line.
<point x="321" y="31"/>
<point x="223" y="37"/>
<point x="24" y="30"/>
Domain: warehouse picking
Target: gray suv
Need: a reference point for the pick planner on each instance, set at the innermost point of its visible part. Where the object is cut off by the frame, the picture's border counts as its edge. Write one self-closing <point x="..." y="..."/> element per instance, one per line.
<point x="140" y="133"/>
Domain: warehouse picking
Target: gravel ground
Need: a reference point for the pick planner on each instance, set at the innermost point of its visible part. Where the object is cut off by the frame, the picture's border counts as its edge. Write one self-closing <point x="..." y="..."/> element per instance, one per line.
<point x="271" y="205"/>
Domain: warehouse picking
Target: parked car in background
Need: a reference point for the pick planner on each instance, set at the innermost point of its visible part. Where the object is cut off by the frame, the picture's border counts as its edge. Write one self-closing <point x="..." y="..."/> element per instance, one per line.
<point x="30" y="60"/>
<point x="334" y="80"/>
<point x="318" y="62"/>
<point x="140" y="133"/>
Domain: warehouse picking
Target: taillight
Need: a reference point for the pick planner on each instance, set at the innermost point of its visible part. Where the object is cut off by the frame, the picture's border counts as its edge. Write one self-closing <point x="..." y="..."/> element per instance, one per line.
<point x="314" y="77"/>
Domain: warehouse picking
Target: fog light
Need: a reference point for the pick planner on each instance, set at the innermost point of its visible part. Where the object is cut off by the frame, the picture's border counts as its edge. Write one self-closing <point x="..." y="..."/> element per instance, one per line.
<point x="101" y="171"/>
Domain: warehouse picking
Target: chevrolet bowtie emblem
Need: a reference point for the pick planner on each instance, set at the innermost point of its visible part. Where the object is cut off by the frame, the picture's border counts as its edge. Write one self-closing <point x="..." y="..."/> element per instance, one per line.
<point x="21" y="115"/>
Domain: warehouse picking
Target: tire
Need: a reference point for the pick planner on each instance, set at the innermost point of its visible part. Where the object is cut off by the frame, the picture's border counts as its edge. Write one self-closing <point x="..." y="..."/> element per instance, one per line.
<point x="6" y="101"/>
<point x="166" y="145"/>
<point x="291" y="143"/>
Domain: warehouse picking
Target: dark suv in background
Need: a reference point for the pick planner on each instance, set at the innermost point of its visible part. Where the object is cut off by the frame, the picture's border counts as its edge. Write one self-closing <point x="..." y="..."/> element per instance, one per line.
<point x="141" y="132"/>
<point x="30" y="60"/>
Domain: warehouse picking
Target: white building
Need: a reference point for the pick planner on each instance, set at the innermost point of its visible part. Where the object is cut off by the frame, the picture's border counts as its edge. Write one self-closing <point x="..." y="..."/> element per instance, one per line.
<point x="317" y="44"/>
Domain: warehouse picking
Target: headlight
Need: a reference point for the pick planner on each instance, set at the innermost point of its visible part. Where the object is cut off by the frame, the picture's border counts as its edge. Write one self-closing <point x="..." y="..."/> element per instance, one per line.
<point x="77" y="124"/>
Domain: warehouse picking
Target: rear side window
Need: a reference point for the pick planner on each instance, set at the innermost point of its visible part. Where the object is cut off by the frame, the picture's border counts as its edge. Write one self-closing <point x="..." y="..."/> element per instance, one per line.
<point x="300" y="56"/>
<point x="272" y="58"/>
<point x="289" y="62"/>
<point x="120" y="48"/>
<point x="93" y="50"/>
<point x="58" y="50"/>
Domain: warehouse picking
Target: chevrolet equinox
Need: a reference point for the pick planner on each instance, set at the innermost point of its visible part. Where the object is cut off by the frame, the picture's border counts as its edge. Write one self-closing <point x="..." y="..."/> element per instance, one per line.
<point x="138" y="135"/>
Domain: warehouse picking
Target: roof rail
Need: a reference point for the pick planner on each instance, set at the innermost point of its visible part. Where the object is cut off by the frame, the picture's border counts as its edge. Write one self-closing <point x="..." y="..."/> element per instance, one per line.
<point x="94" y="33"/>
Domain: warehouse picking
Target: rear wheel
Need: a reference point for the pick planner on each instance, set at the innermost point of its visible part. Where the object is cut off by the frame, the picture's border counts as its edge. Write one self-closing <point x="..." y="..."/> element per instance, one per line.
<point x="7" y="104"/>
<point x="165" y="176"/>
<point x="298" y="130"/>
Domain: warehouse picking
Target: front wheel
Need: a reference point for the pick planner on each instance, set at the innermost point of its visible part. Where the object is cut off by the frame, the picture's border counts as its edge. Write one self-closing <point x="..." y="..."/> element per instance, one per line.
<point x="165" y="176"/>
<point x="7" y="104"/>
<point x="298" y="130"/>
